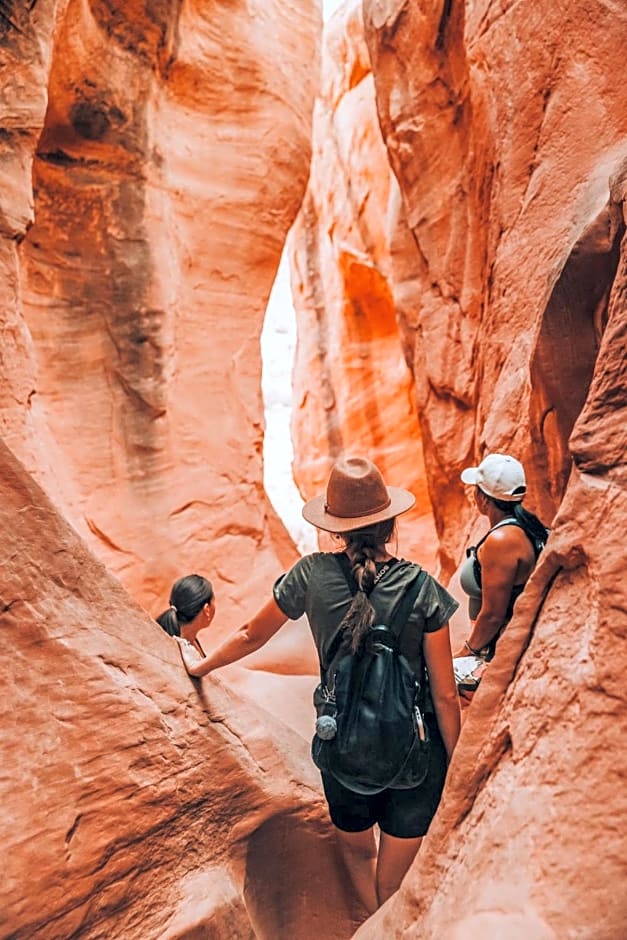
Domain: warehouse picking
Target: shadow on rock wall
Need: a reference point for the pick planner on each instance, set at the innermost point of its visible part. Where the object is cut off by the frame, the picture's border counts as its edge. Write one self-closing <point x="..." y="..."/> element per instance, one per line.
<point x="169" y="157"/>
<point x="135" y="802"/>
<point x="567" y="345"/>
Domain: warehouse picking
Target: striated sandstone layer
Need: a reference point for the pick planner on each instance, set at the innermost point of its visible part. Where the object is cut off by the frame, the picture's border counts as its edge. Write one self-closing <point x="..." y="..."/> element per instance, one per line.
<point x="137" y="803"/>
<point x="26" y="49"/>
<point x="353" y="388"/>
<point x="503" y="124"/>
<point x="171" y="164"/>
<point x="507" y="131"/>
<point x="529" y="841"/>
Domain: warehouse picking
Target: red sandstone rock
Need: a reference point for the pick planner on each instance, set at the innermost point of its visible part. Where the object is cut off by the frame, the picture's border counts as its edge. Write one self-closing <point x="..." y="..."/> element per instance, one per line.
<point x="124" y="783"/>
<point x="172" y="162"/>
<point x="26" y="47"/>
<point x="503" y="144"/>
<point x="137" y="803"/>
<point x="353" y="389"/>
<point x="495" y="137"/>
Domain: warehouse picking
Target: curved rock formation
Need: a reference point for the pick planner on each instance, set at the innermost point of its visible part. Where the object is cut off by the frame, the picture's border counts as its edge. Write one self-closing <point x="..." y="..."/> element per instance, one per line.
<point x="503" y="146"/>
<point x="503" y="171"/>
<point x="172" y="162"/>
<point x="492" y="282"/>
<point x="137" y="803"/>
<point x="353" y="388"/>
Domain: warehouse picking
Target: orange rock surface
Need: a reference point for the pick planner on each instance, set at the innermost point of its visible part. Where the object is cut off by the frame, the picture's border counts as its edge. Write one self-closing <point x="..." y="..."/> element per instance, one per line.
<point x="510" y="153"/>
<point x="172" y="161"/>
<point x="474" y="299"/>
<point x="25" y="56"/>
<point x="503" y="146"/>
<point x="137" y="803"/>
<point x="353" y="388"/>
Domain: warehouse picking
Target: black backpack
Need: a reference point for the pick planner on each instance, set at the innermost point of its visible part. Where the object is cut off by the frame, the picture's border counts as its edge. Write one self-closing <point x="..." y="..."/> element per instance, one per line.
<point x="370" y="733"/>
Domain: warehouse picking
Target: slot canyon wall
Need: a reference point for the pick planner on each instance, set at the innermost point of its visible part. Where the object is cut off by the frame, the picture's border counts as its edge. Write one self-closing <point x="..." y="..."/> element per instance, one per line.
<point x="152" y="160"/>
<point x="484" y="127"/>
<point x="462" y="236"/>
<point x="136" y="803"/>
<point x="505" y="262"/>
<point x="353" y="385"/>
<point x="168" y="158"/>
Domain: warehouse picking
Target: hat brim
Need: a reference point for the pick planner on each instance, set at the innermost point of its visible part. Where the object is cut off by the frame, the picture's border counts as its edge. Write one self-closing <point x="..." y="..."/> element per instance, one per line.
<point x="314" y="511"/>
<point x="470" y="476"/>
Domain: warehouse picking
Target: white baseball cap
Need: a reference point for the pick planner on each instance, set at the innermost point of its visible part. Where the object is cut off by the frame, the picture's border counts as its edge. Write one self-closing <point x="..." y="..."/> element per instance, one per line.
<point x="498" y="475"/>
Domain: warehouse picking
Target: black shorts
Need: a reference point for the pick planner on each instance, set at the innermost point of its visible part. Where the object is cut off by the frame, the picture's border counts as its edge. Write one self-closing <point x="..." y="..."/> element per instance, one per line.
<point x="406" y="814"/>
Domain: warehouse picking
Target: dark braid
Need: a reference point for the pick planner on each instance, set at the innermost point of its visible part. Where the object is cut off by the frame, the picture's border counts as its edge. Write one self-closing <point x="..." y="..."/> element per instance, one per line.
<point x="362" y="546"/>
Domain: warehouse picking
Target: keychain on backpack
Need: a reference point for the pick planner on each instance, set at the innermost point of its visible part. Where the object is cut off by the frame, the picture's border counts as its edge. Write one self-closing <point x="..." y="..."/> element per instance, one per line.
<point x="326" y="725"/>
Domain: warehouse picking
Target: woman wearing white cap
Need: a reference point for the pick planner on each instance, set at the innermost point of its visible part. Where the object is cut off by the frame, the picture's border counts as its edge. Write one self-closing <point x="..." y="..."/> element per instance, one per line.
<point x="335" y="589"/>
<point x="497" y="567"/>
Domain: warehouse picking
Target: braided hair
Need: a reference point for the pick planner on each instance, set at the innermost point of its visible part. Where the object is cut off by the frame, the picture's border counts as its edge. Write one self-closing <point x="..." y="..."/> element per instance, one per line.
<point x="362" y="546"/>
<point x="187" y="598"/>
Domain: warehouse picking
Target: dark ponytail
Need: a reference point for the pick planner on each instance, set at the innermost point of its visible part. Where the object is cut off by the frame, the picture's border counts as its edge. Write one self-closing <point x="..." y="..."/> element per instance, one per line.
<point x="534" y="528"/>
<point x="362" y="546"/>
<point x="169" y="621"/>
<point x="187" y="598"/>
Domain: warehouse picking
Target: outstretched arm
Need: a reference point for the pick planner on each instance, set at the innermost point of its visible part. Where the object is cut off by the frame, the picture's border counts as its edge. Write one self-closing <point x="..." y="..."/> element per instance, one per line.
<point x="437" y="650"/>
<point x="251" y="636"/>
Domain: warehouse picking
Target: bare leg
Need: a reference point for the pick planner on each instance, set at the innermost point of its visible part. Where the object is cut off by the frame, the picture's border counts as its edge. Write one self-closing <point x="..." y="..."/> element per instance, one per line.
<point x="395" y="857"/>
<point x="359" y="854"/>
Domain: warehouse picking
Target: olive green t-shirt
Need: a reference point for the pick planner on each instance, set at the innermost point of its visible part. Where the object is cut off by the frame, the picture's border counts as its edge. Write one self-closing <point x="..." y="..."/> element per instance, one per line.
<point x="316" y="586"/>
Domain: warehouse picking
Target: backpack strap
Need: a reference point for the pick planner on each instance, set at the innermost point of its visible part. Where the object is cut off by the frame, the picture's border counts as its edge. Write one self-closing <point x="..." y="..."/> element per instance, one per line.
<point x="397" y="625"/>
<point x="404" y="609"/>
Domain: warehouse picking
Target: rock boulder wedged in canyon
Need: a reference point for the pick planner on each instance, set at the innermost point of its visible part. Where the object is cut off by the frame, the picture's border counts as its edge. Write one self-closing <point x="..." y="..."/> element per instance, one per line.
<point x="137" y="803"/>
<point x="172" y="161"/>
<point x="353" y="390"/>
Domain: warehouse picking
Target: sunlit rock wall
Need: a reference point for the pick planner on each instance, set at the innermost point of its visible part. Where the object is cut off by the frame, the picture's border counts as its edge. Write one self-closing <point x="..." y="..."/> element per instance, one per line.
<point x="172" y="161"/>
<point x="353" y="388"/>
<point x="503" y="126"/>
<point x="26" y="48"/>
<point x="506" y="127"/>
<point x="135" y="802"/>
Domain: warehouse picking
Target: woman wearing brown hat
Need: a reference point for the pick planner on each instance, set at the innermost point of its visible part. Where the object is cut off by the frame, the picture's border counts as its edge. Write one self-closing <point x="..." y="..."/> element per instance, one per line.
<point x="361" y="510"/>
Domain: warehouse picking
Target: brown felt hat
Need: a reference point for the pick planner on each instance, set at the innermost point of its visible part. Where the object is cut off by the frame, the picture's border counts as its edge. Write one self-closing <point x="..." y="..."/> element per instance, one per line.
<point x="356" y="497"/>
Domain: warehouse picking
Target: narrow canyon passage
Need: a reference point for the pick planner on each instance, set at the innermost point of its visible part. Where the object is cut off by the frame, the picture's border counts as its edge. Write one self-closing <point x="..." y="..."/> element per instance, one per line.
<point x="442" y="190"/>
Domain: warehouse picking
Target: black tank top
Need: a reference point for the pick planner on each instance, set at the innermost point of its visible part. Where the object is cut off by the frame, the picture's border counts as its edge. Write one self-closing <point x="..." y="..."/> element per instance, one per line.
<point x="470" y="580"/>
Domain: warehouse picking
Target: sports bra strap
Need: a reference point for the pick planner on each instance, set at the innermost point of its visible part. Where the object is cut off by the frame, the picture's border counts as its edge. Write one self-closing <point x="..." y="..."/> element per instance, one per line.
<point x="510" y="520"/>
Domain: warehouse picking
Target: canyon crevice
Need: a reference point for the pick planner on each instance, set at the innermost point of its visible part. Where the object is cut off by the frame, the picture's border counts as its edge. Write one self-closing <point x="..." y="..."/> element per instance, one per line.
<point x="456" y="188"/>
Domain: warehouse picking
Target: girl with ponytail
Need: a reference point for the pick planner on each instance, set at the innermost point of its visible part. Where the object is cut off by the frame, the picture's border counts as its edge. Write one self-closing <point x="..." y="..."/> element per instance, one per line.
<point x="192" y="608"/>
